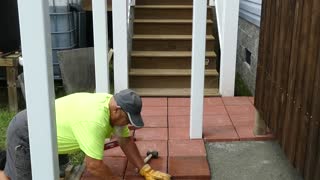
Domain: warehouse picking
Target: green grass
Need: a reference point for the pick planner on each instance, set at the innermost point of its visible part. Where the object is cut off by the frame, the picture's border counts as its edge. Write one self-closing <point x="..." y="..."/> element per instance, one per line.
<point x="241" y="89"/>
<point x="5" y="118"/>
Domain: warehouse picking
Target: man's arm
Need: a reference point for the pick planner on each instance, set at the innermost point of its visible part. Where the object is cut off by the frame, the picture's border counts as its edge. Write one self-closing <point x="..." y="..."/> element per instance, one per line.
<point x="99" y="169"/>
<point x="130" y="149"/>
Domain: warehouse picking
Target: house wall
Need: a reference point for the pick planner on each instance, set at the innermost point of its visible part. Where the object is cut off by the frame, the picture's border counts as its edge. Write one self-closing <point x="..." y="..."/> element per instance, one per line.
<point x="248" y="41"/>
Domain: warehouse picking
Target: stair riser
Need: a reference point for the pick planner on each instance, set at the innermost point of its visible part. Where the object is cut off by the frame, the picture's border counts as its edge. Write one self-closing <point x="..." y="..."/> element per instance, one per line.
<point x="169" y="82"/>
<point x="167" y="29"/>
<point x="164" y="2"/>
<point x="167" y="63"/>
<point x="167" y="45"/>
<point x="165" y="14"/>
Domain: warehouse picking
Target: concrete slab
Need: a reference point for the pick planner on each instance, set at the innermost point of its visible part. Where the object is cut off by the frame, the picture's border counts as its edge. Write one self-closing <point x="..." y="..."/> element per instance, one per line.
<point x="263" y="160"/>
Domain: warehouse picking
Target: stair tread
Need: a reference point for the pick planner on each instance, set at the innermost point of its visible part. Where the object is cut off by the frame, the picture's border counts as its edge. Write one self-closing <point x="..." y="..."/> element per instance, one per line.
<point x="169" y="72"/>
<point x="177" y="21"/>
<point x="167" y="37"/>
<point x="167" y="54"/>
<point x="173" y="91"/>
<point x="164" y="6"/>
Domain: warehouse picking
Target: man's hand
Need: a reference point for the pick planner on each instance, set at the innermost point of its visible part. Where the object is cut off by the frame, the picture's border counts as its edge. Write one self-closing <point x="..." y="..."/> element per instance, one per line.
<point x="150" y="174"/>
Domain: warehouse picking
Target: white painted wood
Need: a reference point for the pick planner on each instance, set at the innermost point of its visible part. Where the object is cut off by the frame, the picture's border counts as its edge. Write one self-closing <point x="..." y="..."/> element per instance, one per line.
<point x="198" y="64"/>
<point x="133" y="2"/>
<point x="100" y="31"/>
<point x="120" y="44"/>
<point x="219" y="11"/>
<point x="38" y="74"/>
<point x="229" y="47"/>
<point x="211" y="2"/>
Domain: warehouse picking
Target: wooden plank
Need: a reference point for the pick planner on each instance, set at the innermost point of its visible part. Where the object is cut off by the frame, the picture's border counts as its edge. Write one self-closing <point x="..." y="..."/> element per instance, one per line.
<point x="303" y="124"/>
<point x="167" y="54"/>
<point x="263" y="41"/>
<point x="6" y="62"/>
<point x="173" y="91"/>
<point x="312" y="143"/>
<point x="287" y="124"/>
<point x="12" y="88"/>
<point x="167" y="37"/>
<point x="167" y="21"/>
<point x="168" y="72"/>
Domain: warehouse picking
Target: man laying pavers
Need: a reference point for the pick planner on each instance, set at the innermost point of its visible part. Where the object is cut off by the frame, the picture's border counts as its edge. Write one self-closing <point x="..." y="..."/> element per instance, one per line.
<point x="84" y="121"/>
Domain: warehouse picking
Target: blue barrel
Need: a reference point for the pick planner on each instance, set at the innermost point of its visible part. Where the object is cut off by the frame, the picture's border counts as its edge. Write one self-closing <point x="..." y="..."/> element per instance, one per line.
<point x="63" y="34"/>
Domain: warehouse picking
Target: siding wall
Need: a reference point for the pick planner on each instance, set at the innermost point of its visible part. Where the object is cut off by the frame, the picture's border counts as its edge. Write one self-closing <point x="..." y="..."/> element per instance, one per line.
<point x="250" y="10"/>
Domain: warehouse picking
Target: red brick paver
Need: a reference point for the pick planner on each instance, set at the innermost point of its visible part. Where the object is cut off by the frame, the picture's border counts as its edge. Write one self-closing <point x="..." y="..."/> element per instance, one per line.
<point x="167" y="126"/>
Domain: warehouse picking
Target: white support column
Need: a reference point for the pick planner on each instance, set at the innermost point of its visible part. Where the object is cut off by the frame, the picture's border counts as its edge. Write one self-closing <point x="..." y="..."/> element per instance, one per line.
<point x="198" y="64"/>
<point x="120" y="44"/>
<point x="230" y="19"/>
<point x="38" y="72"/>
<point x="100" y="31"/>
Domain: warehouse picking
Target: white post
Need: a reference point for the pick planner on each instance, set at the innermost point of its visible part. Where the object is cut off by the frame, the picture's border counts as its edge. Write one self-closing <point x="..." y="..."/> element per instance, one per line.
<point x="120" y="44"/>
<point x="38" y="72"/>
<point x="198" y="64"/>
<point x="229" y="47"/>
<point x="100" y="31"/>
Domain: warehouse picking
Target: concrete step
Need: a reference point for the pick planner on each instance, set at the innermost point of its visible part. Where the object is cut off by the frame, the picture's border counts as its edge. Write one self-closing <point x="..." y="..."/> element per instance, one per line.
<point x="166" y="12"/>
<point x="183" y="92"/>
<point x="168" y="43"/>
<point x="167" y="26"/>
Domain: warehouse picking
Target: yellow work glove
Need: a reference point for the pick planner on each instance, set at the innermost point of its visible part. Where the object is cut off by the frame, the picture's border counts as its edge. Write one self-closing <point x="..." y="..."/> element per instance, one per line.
<point x="150" y="174"/>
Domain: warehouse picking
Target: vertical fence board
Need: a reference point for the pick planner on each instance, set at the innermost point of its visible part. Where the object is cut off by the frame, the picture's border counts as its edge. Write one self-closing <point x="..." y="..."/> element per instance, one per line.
<point x="287" y="128"/>
<point x="288" y="78"/>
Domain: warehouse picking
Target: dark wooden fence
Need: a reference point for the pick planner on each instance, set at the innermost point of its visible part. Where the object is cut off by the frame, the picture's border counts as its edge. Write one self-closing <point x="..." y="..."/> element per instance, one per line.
<point x="288" y="79"/>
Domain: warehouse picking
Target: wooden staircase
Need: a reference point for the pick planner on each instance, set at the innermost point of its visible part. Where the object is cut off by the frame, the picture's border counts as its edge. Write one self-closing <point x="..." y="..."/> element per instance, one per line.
<point x="161" y="49"/>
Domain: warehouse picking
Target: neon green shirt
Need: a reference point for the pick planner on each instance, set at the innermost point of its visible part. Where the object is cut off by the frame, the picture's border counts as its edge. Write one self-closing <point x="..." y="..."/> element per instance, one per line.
<point x="83" y="122"/>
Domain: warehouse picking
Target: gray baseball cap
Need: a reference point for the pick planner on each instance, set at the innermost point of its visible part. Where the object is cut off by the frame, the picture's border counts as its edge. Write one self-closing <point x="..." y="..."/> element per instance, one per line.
<point x="131" y="103"/>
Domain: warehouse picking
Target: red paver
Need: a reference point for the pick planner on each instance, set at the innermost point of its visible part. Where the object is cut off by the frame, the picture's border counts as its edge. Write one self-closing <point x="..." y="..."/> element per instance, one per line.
<point x="116" y="164"/>
<point x="179" y="111"/>
<point x="179" y="121"/>
<point x="216" y="120"/>
<point x="155" y="121"/>
<point x="245" y="132"/>
<point x="178" y="102"/>
<point x="151" y="134"/>
<point x="179" y="133"/>
<point x="242" y="119"/>
<point x="235" y="101"/>
<point x="186" y="148"/>
<point x="145" y="146"/>
<point x="243" y="109"/>
<point x="189" y="168"/>
<point x="213" y="101"/>
<point x="220" y="133"/>
<point x="251" y="99"/>
<point x="159" y="164"/>
<point x="154" y="111"/>
<point x="154" y="102"/>
<point x="214" y="110"/>
<point x="114" y="152"/>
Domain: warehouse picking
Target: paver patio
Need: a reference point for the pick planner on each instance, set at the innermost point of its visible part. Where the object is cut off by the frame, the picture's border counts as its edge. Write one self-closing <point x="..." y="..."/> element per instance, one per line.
<point x="167" y="131"/>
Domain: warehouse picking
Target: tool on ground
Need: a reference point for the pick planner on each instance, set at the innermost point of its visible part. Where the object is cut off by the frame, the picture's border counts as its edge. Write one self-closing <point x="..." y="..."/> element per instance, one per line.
<point x="151" y="154"/>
